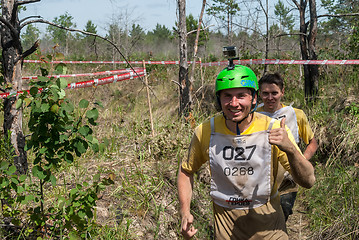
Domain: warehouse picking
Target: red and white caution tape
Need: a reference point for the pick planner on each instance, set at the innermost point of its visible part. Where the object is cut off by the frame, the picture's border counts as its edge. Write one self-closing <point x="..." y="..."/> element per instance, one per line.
<point x="220" y="63"/>
<point x="91" y="83"/>
<point x="120" y="71"/>
<point x="109" y="62"/>
<point x="281" y="61"/>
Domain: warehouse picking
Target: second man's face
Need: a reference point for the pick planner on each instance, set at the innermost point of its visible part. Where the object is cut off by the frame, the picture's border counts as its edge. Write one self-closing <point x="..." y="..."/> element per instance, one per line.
<point x="271" y="96"/>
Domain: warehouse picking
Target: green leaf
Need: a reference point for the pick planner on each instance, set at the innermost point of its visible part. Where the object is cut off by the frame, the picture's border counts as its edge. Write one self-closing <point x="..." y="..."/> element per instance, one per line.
<point x="98" y="103"/>
<point x="45" y="107"/>
<point x="81" y="214"/>
<point x="38" y="172"/>
<point x="28" y="198"/>
<point x="95" y="147"/>
<point x="20" y="189"/>
<point x="83" y="103"/>
<point x="22" y="178"/>
<point x="12" y="170"/>
<point x="42" y="79"/>
<point x="61" y="68"/>
<point x="4" y="165"/>
<point x="18" y="103"/>
<point x="53" y="180"/>
<point x="68" y="107"/>
<point x="14" y="180"/>
<point x="61" y="83"/>
<point x="80" y="147"/>
<point x="84" y="130"/>
<point x="92" y="114"/>
<point x="61" y="94"/>
<point x="73" y="191"/>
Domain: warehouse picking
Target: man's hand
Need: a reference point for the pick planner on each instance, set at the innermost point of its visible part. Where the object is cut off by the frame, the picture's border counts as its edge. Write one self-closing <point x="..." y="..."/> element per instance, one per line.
<point x="187" y="229"/>
<point x="301" y="169"/>
<point x="279" y="137"/>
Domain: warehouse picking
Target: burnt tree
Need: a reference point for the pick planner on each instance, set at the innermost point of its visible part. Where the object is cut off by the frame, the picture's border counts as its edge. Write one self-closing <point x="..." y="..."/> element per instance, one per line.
<point x="12" y="58"/>
<point x="308" y="46"/>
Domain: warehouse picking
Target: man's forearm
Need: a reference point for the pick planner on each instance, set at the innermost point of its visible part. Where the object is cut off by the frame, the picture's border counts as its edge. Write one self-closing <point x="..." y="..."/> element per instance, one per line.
<point x="184" y="184"/>
<point x="311" y="149"/>
<point x="302" y="170"/>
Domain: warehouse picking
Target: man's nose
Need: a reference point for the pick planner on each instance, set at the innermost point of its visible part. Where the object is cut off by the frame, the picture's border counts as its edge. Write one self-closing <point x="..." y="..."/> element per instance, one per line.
<point x="234" y="100"/>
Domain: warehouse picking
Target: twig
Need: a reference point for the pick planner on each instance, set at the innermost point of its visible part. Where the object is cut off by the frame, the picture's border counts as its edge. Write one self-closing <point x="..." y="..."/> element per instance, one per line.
<point x="28" y="52"/>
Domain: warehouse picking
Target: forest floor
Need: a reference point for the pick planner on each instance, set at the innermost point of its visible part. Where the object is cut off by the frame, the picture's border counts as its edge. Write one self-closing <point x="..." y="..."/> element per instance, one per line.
<point x="297" y="224"/>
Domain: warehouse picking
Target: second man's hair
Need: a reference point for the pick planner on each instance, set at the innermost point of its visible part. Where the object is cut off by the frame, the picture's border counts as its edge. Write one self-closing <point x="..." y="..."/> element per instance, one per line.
<point x="271" y="78"/>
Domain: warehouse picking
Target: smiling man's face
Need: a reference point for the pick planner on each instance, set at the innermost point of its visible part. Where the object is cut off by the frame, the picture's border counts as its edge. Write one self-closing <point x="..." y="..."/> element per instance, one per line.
<point x="236" y="103"/>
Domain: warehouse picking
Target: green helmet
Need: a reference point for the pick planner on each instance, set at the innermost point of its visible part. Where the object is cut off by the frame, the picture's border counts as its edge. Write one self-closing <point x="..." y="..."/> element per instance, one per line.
<point x="239" y="77"/>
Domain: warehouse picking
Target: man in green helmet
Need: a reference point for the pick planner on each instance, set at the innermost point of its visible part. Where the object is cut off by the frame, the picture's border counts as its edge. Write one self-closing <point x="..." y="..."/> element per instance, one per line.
<point x="244" y="150"/>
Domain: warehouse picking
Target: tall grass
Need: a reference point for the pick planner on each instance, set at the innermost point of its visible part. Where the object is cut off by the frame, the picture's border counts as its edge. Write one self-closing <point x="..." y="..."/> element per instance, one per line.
<point x="142" y="204"/>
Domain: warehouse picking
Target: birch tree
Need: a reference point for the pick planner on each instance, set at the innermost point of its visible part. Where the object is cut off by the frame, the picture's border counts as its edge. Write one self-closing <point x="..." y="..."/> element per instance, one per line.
<point x="12" y="58"/>
<point x="185" y="87"/>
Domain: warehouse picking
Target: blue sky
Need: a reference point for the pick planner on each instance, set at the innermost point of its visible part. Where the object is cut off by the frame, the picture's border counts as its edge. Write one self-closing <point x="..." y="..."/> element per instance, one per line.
<point x="146" y="13"/>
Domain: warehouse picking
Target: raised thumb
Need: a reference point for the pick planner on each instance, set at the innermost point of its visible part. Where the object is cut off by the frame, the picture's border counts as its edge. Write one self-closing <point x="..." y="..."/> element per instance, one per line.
<point x="282" y="123"/>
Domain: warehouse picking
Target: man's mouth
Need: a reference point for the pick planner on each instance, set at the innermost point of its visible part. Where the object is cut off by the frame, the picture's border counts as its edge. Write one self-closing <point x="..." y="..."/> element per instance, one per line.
<point x="235" y="111"/>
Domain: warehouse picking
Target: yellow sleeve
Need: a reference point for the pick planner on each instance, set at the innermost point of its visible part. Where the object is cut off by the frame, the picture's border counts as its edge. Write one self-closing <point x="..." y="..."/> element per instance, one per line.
<point x="305" y="131"/>
<point x="198" y="149"/>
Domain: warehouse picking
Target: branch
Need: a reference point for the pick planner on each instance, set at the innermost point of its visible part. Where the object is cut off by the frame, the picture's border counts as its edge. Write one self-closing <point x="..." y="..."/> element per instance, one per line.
<point x="86" y="33"/>
<point x="179" y="85"/>
<point x="28" y="52"/>
<point x="26" y="2"/>
<point x="202" y="29"/>
<point x="13" y="31"/>
<point x="24" y="19"/>
<point x="339" y="15"/>
<point x="288" y="34"/>
<point x="248" y="28"/>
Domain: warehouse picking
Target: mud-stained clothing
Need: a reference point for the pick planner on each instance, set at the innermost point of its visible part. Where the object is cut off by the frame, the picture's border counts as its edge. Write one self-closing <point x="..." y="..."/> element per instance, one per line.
<point x="250" y="212"/>
<point x="300" y="124"/>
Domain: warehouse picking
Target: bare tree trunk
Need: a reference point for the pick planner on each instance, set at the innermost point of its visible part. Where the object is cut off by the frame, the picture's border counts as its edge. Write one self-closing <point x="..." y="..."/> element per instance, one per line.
<point x="313" y="69"/>
<point x="267" y="35"/>
<point x="185" y="85"/>
<point x="195" y="48"/>
<point x="11" y="60"/>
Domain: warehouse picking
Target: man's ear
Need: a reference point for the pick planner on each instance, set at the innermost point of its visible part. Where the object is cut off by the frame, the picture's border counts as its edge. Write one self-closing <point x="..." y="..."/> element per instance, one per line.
<point x="255" y="97"/>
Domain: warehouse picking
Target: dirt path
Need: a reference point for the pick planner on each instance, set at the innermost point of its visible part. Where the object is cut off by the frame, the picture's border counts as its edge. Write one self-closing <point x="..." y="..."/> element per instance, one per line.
<point x="297" y="224"/>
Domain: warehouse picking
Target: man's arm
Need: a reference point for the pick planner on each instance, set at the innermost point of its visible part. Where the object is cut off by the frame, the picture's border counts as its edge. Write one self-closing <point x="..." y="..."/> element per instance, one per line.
<point x="185" y="186"/>
<point x="301" y="169"/>
<point x="311" y="149"/>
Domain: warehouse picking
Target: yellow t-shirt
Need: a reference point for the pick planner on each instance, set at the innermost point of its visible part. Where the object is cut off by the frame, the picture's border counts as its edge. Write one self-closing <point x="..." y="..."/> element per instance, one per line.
<point x="267" y="215"/>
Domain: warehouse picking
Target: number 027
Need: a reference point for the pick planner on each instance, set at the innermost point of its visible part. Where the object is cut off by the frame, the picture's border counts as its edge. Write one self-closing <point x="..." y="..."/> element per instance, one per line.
<point x="231" y="153"/>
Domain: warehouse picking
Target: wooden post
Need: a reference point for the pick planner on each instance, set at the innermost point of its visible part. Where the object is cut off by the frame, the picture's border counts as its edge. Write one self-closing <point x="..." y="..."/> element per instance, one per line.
<point x="148" y="98"/>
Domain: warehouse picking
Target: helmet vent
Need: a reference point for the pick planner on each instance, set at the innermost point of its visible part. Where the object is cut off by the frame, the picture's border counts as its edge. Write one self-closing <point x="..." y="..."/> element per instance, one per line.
<point x="231" y="79"/>
<point x="244" y="77"/>
<point x="220" y="79"/>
